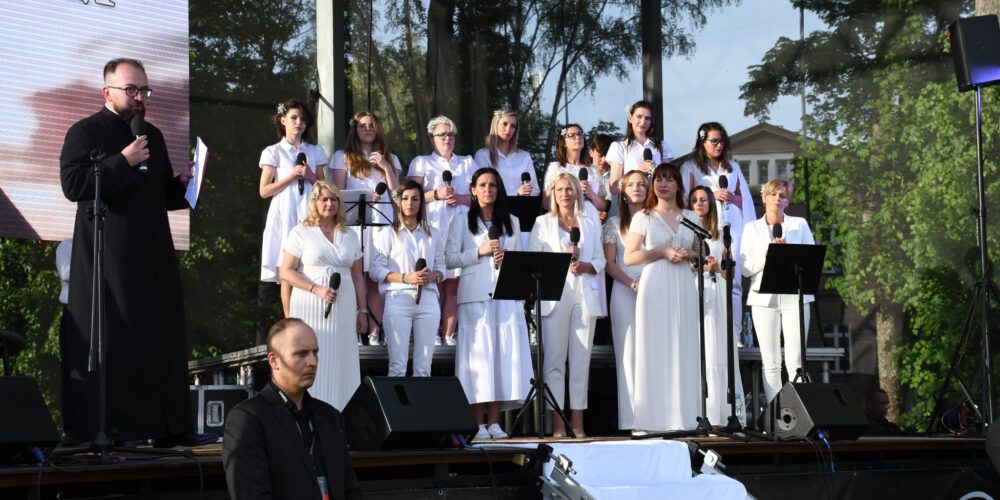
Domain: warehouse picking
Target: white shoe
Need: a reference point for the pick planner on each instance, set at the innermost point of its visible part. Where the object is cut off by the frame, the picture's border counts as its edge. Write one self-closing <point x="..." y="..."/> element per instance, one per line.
<point x="639" y="433"/>
<point x="451" y="340"/>
<point x="496" y="432"/>
<point x="437" y="341"/>
<point x="373" y="339"/>
<point x="482" y="434"/>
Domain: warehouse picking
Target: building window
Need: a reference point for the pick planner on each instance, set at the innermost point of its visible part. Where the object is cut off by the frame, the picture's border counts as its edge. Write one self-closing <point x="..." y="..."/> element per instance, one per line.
<point x="783" y="168"/>
<point x="762" y="171"/>
<point x="745" y="167"/>
<point x="839" y="335"/>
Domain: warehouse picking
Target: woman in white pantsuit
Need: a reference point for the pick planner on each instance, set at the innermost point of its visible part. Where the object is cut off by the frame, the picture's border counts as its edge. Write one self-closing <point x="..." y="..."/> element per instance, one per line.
<point x="718" y="410"/>
<point x="492" y="360"/>
<point x="568" y="324"/>
<point x="398" y="248"/>
<point x="314" y="250"/>
<point x="712" y="160"/>
<point x="774" y="315"/>
<point x="626" y="282"/>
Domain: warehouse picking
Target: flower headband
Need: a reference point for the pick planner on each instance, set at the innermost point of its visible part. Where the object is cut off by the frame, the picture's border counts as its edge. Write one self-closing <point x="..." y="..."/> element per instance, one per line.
<point x="282" y="109"/>
<point x="628" y="109"/>
<point x="498" y="113"/>
<point x="702" y="134"/>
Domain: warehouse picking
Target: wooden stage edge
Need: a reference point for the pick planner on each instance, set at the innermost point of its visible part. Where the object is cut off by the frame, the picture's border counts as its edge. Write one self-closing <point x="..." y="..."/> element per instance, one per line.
<point x="506" y="469"/>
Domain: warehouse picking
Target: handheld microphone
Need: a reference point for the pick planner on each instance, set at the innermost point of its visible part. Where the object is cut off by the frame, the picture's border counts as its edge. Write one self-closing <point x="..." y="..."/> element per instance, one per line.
<point x="727" y="237"/>
<point x="138" y="124"/>
<point x="446" y="177"/>
<point x="494" y="234"/>
<point x="776" y="231"/>
<point x="724" y="184"/>
<point x="584" y="174"/>
<point x="647" y="154"/>
<point x="381" y="188"/>
<point x="525" y="178"/>
<point x="574" y="238"/>
<point x="301" y="160"/>
<point x="706" y="251"/>
<point x="335" y="284"/>
<point x="420" y="266"/>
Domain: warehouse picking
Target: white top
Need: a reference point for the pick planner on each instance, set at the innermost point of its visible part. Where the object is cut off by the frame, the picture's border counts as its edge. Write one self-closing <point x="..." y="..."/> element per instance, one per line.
<point x="287" y="207"/>
<point x="736" y="215"/>
<point x="594" y="179"/>
<point x="398" y="252"/>
<point x="367" y="183"/>
<point x="479" y="275"/>
<point x="612" y="236"/>
<point x="753" y="254"/>
<point x="429" y="169"/>
<point x="64" y="256"/>
<point x="631" y="156"/>
<point x="510" y="167"/>
<point x="547" y="236"/>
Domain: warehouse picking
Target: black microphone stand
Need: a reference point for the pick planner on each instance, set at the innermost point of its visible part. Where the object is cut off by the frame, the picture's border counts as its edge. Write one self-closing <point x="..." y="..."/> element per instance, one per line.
<point x="102" y="446"/>
<point x="362" y="207"/>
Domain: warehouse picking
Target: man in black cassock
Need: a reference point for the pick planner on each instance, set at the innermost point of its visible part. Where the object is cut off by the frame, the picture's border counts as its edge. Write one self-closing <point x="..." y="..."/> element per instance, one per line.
<point x="146" y="367"/>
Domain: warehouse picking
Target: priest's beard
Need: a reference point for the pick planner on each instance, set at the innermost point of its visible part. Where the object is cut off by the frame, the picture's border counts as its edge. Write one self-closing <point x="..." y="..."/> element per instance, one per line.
<point x="127" y="112"/>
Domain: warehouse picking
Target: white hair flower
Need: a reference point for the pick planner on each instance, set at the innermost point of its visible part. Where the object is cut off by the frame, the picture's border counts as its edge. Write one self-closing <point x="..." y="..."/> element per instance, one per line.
<point x="282" y="109"/>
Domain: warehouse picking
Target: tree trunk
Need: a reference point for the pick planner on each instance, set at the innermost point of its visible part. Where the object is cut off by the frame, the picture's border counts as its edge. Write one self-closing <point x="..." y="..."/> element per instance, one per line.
<point x="888" y="337"/>
<point x="986" y="7"/>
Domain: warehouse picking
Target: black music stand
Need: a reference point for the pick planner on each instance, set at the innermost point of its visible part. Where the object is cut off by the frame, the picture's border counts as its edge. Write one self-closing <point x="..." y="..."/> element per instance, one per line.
<point x="794" y="269"/>
<point x="534" y="277"/>
<point x="526" y="209"/>
<point x="356" y="209"/>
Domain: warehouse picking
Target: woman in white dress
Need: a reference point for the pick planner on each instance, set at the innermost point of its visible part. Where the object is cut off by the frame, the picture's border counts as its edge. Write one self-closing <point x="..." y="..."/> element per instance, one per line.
<point x="774" y="315"/>
<point x="623" y="292"/>
<point x="712" y="160"/>
<point x="568" y="324"/>
<point x="492" y="359"/>
<point x="411" y="303"/>
<point x="570" y="159"/>
<point x="445" y="200"/>
<point x="640" y="135"/>
<point x="316" y="249"/>
<point x="364" y="163"/>
<point x="287" y="183"/>
<point x="667" y="354"/>
<point x="501" y="153"/>
<point x="718" y="410"/>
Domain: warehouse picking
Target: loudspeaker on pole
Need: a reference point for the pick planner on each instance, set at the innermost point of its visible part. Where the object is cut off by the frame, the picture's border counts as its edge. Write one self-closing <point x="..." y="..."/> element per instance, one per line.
<point x="975" y="48"/>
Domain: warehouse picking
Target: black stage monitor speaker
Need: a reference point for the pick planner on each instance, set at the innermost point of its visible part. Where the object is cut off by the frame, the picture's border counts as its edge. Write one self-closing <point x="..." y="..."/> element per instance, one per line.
<point x="802" y="409"/>
<point x="975" y="47"/>
<point x="25" y="421"/>
<point x="407" y="413"/>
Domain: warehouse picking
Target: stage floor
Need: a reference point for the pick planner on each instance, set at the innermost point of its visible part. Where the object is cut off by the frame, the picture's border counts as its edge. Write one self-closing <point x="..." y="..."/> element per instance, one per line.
<point x="878" y="468"/>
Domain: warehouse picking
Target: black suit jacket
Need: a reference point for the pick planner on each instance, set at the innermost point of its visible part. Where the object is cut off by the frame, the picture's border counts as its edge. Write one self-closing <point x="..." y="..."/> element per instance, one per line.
<point x="265" y="457"/>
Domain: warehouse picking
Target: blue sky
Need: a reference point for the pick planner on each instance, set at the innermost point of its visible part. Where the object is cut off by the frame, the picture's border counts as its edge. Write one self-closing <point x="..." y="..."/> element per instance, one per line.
<point x="705" y="86"/>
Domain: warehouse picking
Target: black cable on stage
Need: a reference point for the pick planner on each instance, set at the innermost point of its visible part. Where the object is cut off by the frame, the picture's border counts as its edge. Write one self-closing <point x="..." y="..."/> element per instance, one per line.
<point x="489" y="462"/>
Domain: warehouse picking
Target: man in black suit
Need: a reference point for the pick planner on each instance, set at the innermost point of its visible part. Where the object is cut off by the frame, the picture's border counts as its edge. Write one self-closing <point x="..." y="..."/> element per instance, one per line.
<point x="282" y="443"/>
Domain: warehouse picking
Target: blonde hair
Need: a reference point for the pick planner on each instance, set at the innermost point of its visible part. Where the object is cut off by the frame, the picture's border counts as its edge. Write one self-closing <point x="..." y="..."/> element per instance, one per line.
<point x="493" y="138"/>
<point x="773" y="185"/>
<point x="575" y="184"/>
<point x="312" y="215"/>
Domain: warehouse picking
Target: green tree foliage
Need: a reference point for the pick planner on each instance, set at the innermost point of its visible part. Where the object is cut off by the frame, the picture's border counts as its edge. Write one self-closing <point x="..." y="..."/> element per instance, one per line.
<point x="892" y="173"/>
<point x="29" y="306"/>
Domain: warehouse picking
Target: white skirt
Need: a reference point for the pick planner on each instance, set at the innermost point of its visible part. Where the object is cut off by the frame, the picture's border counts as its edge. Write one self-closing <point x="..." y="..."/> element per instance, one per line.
<point x="493" y="358"/>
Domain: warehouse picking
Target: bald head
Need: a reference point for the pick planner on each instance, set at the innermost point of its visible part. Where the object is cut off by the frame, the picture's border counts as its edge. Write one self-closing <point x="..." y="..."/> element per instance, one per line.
<point x="292" y="353"/>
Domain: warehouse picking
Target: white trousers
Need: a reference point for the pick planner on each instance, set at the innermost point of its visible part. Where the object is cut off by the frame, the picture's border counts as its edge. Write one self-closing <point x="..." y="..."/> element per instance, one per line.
<point x="403" y="315"/>
<point x="568" y="331"/>
<point x="769" y="323"/>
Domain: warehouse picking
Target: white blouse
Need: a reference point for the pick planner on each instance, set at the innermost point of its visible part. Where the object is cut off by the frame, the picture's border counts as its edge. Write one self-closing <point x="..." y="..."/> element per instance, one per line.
<point x="510" y="167"/>
<point x="398" y="252"/>
<point x="631" y="156"/>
